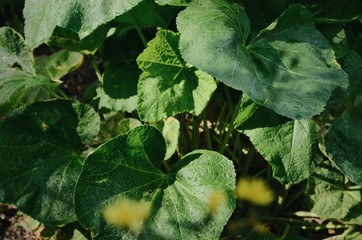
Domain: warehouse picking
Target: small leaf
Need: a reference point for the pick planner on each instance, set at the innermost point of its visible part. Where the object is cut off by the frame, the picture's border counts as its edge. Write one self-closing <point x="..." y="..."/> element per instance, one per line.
<point x="69" y="40"/>
<point x="39" y="148"/>
<point x="171" y="132"/>
<point x="80" y="17"/>
<point x="58" y="64"/>
<point x="289" y="67"/>
<point x="331" y="198"/>
<point x="13" y="51"/>
<point x="179" y="200"/>
<point x="173" y="2"/>
<point x="127" y="124"/>
<point x="290" y="148"/>
<point x="168" y="86"/>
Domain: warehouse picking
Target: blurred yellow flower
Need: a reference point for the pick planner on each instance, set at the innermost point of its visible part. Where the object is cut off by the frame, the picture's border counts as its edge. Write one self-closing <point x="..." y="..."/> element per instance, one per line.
<point x="215" y="200"/>
<point x="127" y="213"/>
<point x="255" y="191"/>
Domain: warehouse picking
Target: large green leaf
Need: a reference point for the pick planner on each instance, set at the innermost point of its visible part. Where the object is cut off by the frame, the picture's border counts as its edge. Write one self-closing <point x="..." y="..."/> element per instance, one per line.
<point x="289" y="67"/>
<point x="39" y="157"/>
<point x="81" y="17"/>
<point x="343" y="141"/>
<point x="15" y="84"/>
<point x="331" y="198"/>
<point x="129" y="166"/>
<point x="291" y="147"/>
<point x="13" y="51"/>
<point x="168" y="85"/>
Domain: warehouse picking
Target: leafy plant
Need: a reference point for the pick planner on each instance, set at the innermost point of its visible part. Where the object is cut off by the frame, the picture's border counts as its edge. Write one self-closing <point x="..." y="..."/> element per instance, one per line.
<point x="189" y="97"/>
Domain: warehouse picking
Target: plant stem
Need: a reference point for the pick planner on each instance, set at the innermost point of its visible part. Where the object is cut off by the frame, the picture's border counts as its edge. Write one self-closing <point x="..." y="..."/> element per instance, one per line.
<point x="285" y="232"/>
<point x="96" y="69"/>
<point x="206" y="132"/>
<point x="138" y="29"/>
<point x="247" y="162"/>
<point x="302" y="223"/>
<point x="62" y="94"/>
<point x="231" y="128"/>
<point x="195" y="133"/>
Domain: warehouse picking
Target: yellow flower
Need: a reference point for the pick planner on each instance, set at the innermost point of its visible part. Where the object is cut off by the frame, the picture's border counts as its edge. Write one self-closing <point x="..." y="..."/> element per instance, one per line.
<point x="127" y="213"/>
<point x="215" y="200"/>
<point x="255" y="191"/>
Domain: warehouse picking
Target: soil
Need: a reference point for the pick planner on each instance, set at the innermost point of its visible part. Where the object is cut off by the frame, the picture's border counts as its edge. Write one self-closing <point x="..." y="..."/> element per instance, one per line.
<point x="14" y="225"/>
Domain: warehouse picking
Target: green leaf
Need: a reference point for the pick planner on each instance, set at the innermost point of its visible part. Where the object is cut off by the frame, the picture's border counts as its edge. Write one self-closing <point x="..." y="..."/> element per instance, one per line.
<point x="173" y="2"/>
<point x="147" y="14"/>
<point x="15" y="84"/>
<point x="179" y="200"/>
<point x="108" y="104"/>
<point x="289" y="67"/>
<point x="120" y="82"/>
<point x="58" y="64"/>
<point x="290" y="148"/>
<point x="337" y="37"/>
<point x="343" y="142"/>
<point x="80" y="17"/>
<point x="13" y="51"/>
<point x="39" y="155"/>
<point x="331" y="198"/>
<point x="352" y="64"/>
<point x="171" y="132"/>
<point x="71" y="41"/>
<point x="169" y="86"/>
<point x="127" y="124"/>
<point x="252" y="115"/>
<point x="335" y="11"/>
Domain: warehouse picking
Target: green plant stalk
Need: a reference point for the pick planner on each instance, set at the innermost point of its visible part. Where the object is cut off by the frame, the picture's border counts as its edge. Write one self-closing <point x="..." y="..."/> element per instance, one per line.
<point x="195" y="133"/>
<point x="303" y="224"/>
<point x="292" y="198"/>
<point x="248" y="161"/>
<point x="285" y="232"/>
<point x="231" y="128"/>
<point x="206" y="132"/>
<point x="96" y="69"/>
<point x="138" y="29"/>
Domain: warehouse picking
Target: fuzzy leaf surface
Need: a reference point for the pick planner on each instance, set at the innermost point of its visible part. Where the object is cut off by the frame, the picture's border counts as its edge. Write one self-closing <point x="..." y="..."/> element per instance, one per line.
<point x="15" y="84"/>
<point x="167" y="85"/>
<point x="289" y="67"/>
<point x="39" y="148"/>
<point x="343" y="141"/>
<point x="13" y="51"/>
<point x="178" y="199"/>
<point x="331" y="198"/>
<point x="81" y="17"/>
<point x="290" y="148"/>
